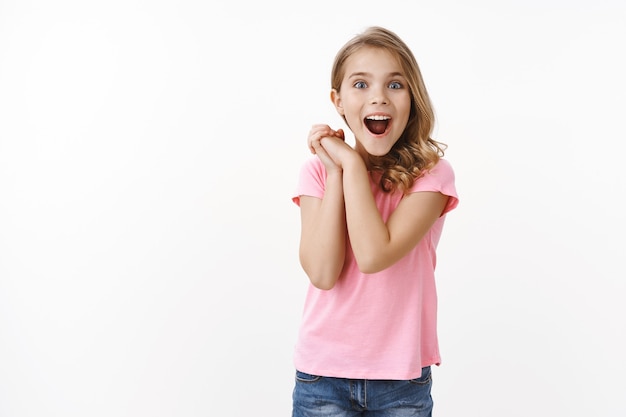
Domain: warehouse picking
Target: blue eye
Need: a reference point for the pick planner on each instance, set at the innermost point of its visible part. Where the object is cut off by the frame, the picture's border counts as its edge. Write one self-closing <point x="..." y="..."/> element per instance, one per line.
<point x="360" y="84"/>
<point x="395" y="85"/>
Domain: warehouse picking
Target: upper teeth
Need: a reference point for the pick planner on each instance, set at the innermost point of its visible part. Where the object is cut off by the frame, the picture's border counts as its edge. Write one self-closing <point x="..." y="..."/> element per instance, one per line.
<point x="378" y="117"/>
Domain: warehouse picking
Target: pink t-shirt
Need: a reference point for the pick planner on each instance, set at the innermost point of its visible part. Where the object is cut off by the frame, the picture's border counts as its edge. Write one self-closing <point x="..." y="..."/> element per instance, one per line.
<point x="381" y="325"/>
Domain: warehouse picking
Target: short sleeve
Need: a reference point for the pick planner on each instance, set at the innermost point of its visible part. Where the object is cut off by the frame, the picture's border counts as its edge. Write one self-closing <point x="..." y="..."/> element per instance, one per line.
<point x="439" y="179"/>
<point x="312" y="180"/>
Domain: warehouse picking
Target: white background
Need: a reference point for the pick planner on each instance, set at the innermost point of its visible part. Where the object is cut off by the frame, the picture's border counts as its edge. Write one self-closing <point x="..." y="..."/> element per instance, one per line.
<point x="148" y="243"/>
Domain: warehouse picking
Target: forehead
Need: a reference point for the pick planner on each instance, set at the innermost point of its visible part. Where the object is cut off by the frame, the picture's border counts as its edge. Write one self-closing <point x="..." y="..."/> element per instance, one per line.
<point x="372" y="60"/>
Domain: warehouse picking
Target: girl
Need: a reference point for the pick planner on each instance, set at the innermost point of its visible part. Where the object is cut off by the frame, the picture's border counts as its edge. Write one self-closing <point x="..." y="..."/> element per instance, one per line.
<point x="371" y="218"/>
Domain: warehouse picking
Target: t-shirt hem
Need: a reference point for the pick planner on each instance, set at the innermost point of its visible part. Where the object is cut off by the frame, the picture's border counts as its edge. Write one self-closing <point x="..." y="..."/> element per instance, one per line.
<point x="360" y="374"/>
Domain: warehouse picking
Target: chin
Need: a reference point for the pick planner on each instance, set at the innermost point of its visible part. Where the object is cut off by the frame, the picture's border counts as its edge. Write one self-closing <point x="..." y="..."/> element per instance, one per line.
<point x="377" y="145"/>
<point x="377" y="151"/>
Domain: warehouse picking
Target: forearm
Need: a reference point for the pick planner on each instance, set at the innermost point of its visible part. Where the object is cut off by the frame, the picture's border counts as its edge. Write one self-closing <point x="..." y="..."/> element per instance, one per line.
<point x="323" y="239"/>
<point x="369" y="235"/>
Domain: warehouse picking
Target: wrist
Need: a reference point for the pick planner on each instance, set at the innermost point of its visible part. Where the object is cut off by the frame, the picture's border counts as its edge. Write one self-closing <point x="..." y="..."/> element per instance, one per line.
<point x="335" y="172"/>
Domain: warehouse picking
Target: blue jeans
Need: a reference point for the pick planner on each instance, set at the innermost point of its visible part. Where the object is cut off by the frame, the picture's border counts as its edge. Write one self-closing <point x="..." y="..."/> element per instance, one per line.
<point x="318" y="396"/>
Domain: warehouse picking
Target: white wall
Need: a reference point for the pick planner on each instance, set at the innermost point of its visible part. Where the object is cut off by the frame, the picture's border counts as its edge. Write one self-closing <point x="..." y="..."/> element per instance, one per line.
<point x="148" y="244"/>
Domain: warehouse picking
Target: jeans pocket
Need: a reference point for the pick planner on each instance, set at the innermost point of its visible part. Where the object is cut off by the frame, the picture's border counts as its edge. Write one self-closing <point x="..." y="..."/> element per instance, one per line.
<point x="424" y="379"/>
<point x="306" y="378"/>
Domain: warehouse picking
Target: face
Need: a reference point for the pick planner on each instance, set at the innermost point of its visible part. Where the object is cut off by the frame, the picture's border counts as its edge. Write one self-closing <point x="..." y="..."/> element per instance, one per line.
<point x="375" y="100"/>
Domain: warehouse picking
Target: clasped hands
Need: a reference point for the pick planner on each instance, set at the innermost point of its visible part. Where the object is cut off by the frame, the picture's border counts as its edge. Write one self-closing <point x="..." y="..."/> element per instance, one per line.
<point x="330" y="146"/>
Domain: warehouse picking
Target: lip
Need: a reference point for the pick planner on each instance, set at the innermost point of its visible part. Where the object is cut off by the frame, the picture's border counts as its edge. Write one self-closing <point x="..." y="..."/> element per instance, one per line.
<point x="378" y="113"/>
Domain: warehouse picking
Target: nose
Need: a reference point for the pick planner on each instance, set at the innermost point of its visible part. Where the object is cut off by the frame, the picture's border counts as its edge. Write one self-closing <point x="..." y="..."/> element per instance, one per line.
<point x="378" y="96"/>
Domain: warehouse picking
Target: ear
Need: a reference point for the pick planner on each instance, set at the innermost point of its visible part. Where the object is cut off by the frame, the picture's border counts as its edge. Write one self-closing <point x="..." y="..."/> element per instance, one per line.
<point x="336" y="99"/>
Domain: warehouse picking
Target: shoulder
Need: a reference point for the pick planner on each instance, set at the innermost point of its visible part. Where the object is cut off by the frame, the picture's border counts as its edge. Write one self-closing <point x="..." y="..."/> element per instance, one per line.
<point x="439" y="178"/>
<point x="441" y="175"/>
<point x="313" y="164"/>
<point x="313" y="169"/>
<point x="443" y="169"/>
<point x="312" y="179"/>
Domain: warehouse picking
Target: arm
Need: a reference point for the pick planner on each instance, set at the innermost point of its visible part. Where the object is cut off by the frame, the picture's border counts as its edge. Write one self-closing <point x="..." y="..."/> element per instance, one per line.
<point x="323" y="237"/>
<point x="376" y="244"/>
<point x="323" y="223"/>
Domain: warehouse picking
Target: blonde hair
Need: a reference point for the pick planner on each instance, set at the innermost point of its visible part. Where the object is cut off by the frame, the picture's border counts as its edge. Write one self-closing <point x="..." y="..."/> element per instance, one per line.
<point x="415" y="151"/>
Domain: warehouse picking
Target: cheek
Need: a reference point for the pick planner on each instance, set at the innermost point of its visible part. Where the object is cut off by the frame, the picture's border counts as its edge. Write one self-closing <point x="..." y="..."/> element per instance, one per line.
<point x="406" y="112"/>
<point x="353" y="120"/>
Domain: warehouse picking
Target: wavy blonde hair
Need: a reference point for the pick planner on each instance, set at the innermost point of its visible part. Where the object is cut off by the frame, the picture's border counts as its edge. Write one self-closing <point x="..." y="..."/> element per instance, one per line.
<point x="415" y="151"/>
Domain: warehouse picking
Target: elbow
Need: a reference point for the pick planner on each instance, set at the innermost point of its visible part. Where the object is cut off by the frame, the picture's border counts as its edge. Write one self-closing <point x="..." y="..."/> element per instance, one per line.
<point x="368" y="269"/>
<point x="323" y="284"/>
<point x="322" y="279"/>
<point x="370" y="265"/>
<point x="323" y="275"/>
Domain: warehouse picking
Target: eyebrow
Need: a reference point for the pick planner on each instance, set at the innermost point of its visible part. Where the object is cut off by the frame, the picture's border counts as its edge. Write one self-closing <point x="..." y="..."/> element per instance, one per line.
<point x="365" y="74"/>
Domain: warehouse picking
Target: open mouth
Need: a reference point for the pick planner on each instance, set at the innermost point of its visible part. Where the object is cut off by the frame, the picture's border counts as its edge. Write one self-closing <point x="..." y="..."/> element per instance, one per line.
<point x="377" y="124"/>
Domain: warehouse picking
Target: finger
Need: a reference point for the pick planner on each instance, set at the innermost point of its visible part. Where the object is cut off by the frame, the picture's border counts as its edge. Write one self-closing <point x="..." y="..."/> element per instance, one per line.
<point x="320" y="129"/>
<point x="318" y="132"/>
<point x="314" y="141"/>
<point x="324" y="156"/>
